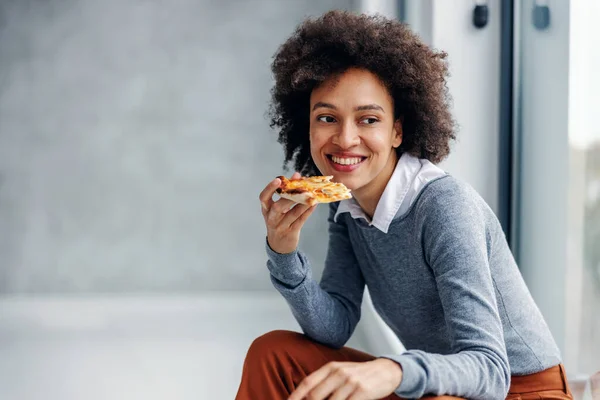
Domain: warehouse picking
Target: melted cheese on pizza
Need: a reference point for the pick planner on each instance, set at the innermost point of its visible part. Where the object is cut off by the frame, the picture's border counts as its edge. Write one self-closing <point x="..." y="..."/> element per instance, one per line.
<point x="319" y="188"/>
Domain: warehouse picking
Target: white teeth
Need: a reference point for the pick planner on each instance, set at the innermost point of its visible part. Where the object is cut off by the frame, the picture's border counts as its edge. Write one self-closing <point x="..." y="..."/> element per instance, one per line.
<point x="346" y="161"/>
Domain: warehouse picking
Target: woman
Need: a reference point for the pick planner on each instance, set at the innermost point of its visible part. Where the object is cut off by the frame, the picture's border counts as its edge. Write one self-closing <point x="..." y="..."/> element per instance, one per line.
<point x="363" y="99"/>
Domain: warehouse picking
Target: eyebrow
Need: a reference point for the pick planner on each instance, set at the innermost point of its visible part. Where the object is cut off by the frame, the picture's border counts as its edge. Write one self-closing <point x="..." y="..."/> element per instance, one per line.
<point x="369" y="107"/>
<point x="320" y="104"/>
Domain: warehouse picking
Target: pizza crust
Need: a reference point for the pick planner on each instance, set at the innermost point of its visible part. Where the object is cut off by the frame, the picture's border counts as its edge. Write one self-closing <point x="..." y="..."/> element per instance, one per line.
<point x="302" y="198"/>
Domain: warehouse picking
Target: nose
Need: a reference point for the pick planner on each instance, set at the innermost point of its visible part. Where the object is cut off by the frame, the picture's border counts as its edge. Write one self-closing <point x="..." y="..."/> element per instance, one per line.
<point x="347" y="136"/>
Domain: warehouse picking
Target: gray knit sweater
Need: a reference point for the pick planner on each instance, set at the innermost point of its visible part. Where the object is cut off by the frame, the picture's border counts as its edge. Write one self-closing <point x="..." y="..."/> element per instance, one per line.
<point x="443" y="278"/>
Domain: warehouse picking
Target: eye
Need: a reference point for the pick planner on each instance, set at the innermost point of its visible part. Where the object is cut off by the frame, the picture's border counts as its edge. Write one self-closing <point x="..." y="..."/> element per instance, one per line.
<point x="328" y="119"/>
<point x="369" y="121"/>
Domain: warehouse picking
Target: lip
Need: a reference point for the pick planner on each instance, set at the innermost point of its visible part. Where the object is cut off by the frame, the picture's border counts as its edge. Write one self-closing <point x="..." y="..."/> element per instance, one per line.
<point x="345" y="154"/>
<point x="345" y="168"/>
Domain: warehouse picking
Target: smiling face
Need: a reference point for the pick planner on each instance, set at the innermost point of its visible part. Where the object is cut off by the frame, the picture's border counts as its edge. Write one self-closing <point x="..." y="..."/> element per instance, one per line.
<point x="353" y="133"/>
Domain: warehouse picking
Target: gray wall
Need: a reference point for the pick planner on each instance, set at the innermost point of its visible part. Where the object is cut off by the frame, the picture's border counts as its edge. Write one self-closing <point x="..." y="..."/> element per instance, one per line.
<point x="122" y="125"/>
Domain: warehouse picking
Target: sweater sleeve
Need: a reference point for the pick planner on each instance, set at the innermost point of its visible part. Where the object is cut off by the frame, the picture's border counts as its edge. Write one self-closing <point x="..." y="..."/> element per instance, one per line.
<point x="456" y="245"/>
<point x="327" y="311"/>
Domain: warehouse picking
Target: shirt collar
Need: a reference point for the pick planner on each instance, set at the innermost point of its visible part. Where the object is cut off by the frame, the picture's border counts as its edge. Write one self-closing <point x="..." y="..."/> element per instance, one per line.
<point x="394" y="195"/>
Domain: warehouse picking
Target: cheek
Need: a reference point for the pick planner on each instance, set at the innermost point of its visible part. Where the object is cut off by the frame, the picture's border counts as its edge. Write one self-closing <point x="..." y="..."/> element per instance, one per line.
<point x="317" y="141"/>
<point x="376" y="143"/>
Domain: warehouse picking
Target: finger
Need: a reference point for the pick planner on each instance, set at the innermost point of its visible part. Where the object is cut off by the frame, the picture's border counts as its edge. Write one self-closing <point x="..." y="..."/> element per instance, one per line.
<point x="332" y="383"/>
<point x="278" y="210"/>
<point x="292" y="215"/>
<point x="357" y="394"/>
<point x="281" y="206"/>
<point x="311" y="381"/>
<point x="296" y="175"/>
<point x="299" y="222"/>
<point x="344" y="392"/>
<point x="266" y="196"/>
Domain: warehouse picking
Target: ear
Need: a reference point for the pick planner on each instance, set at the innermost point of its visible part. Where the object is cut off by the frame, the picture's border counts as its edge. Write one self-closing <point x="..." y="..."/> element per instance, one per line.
<point x="397" y="139"/>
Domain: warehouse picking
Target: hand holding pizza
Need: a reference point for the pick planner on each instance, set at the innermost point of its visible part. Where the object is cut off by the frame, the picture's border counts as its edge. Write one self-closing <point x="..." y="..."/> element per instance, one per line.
<point x="284" y="218"/>
<point x="299" y="197"/>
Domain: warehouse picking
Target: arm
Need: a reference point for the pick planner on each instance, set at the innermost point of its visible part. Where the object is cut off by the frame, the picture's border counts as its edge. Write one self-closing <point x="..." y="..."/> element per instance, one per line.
<point x="327" y="312"/>
<point x="456" y="245"/>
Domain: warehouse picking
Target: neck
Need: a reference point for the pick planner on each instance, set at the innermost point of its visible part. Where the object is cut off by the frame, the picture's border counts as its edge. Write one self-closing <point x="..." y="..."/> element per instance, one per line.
<point x="368" y="196"/>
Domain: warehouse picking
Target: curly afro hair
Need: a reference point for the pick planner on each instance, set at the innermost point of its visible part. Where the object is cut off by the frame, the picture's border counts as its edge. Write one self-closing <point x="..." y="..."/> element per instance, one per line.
<point x="414" y="74"/>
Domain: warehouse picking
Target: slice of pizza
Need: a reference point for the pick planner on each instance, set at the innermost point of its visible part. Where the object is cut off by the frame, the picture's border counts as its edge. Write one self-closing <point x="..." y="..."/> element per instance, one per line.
<point x="311" y="190"/>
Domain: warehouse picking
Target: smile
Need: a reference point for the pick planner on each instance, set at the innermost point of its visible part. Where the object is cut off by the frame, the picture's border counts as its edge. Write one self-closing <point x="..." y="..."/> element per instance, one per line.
<point x="345" y="164"/>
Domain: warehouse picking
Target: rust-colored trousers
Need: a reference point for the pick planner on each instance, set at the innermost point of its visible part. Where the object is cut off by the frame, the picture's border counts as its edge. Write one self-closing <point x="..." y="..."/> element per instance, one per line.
<point x="277" y="362"/>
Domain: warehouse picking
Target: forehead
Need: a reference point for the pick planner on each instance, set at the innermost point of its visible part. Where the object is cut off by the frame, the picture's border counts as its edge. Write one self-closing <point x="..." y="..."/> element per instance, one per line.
<point x="352" y="87"/>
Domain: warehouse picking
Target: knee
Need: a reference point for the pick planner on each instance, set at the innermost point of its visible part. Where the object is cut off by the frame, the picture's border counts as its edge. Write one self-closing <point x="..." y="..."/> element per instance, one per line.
<point x="274" y="342"/>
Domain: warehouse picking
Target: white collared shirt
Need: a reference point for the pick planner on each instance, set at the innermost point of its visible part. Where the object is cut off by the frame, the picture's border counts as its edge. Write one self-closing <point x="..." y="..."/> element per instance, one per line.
<point x="409" y="177"/>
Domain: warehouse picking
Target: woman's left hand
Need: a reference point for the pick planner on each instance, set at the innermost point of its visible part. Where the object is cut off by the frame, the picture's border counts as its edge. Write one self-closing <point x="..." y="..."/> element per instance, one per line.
<point x="368" y="380"/>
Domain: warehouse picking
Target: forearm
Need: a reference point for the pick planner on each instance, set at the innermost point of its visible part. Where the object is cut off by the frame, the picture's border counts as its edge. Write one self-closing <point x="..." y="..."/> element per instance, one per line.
<point x="325" y="317"/>
<point x="475" y="374"/>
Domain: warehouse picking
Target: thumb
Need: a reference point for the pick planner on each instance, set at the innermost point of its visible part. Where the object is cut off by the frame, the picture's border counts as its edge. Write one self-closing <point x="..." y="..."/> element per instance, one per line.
<point x="296" y="175"/>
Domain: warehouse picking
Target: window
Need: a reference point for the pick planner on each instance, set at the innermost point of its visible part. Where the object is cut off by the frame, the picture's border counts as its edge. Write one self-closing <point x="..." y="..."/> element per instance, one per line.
<point x="557" y="173"/>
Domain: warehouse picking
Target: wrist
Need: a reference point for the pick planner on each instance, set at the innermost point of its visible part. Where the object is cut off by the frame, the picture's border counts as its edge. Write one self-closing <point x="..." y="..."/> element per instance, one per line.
<point x="396" y="371"/>
<point x="280" y="250"/>
<point x="289" y="269"/>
